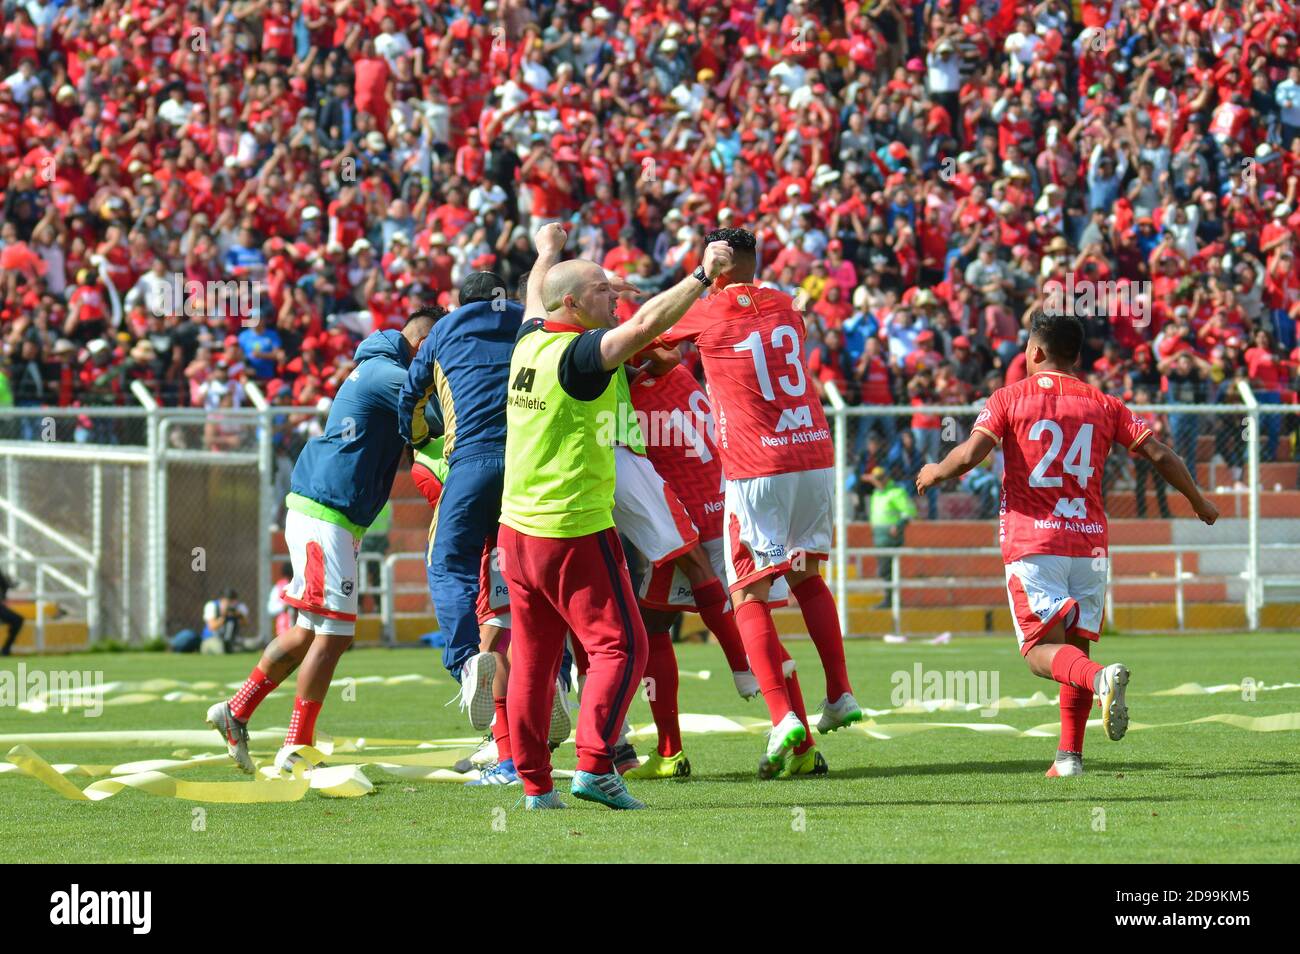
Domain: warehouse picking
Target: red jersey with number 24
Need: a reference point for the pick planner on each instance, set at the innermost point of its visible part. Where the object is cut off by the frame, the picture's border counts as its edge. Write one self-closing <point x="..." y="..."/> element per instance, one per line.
<point x="1055" y="432"/>
<point x="677" y="423"/>
<point x="770" y="420"/>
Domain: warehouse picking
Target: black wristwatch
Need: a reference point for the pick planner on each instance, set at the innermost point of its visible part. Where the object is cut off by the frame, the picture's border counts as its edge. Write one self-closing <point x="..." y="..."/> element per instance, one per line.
<point x="701" y="276"/>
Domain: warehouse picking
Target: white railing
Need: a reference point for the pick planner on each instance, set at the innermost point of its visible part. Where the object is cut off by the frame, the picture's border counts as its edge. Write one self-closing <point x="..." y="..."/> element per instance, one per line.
<point x="897" y="582"/>
<point x="1249" y="412"/>
<point x="155" y="453"/>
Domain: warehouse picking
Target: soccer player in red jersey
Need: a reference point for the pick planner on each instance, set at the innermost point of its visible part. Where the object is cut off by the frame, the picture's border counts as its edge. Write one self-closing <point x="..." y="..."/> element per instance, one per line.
<point x="677" y="425"/>
<point x="776" y="454"/>
<point x="1055" y="433"/>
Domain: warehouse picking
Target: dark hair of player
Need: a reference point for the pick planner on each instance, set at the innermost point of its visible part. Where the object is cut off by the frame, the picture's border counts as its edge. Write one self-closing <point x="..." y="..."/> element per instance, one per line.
<point x="1060" y="335"/>
<point x="482" y="286"/>
<point x="743" y="244"/>
<point x="429" y="313"/>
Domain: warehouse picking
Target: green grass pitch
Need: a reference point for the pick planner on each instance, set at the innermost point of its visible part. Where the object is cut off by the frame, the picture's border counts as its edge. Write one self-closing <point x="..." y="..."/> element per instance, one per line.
<point x="1189" y="793"/>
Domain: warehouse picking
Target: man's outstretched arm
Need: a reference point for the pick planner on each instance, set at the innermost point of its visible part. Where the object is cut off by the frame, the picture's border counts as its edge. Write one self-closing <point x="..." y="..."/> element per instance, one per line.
<point x="1176" y="474"/>
<point x="960" y="459"/>
<point x="662" y="311"/>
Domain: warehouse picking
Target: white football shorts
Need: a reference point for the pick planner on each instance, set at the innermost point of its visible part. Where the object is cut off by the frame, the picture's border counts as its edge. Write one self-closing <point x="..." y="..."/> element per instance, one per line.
<point x="771" y="522"/>
<point x="1044" y="589"/>
<point x="323" y="591"/>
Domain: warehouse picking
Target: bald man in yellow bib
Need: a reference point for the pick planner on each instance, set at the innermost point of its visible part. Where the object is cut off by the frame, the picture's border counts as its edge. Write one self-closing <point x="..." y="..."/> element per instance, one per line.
<point x="558" y="549"/>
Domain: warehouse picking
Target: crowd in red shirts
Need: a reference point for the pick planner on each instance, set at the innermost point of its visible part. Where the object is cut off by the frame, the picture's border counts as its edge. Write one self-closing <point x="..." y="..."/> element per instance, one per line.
<point x="920" y="173"/>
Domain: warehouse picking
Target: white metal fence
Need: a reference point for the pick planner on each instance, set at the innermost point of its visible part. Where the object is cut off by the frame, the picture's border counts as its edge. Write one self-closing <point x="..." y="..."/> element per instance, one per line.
<point x="130" y="518"/>
<point x="1237" y="433"/>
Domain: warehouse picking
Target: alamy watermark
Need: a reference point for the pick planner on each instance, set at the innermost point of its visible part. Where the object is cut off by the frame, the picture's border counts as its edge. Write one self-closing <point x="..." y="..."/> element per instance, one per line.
<point x="176" y="296"/>
<point x="78" y="906"/>
<point x="37" y="688"/>
<point x="970" y="687"/>
<point x="1085" y="298"/>
<point x="661" y="428"/>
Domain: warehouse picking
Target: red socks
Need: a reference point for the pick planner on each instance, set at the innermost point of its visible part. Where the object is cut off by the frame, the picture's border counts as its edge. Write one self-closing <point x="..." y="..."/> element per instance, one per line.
<point x="661" y="685"/>
<point x="763" y="647"/>
<point x="501" y="729"/>
<point x="1072" y="667"/>
<point x="797" y="706"/>
<point x="1076" y="705"/>
<point x="823" y="622"/>
<point x="302" y="725"/>
<point x="256" y="688"/>
<point x="711" y="603"/>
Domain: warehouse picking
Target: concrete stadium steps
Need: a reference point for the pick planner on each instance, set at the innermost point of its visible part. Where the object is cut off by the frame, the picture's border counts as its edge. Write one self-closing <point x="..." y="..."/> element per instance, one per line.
<point x="1122" y="564"/>
<point x="1205" y="449"/>
<point x="1272" y="504"/>
<point x="27" y="609"/>
<point x="979" y="595"/>
<point x="984" y="533"/>
<point x="404" y="486"/>
<point x="401" y="539"/>
<point x="409" y="571"/>
<point x="1285" y="474"/>
<point x="978" y="602"/>
<point x="1130" y="618"/>
<point x="411" y="513"/>
<point x="413" y="602"/>
<point x="60" y="636"/>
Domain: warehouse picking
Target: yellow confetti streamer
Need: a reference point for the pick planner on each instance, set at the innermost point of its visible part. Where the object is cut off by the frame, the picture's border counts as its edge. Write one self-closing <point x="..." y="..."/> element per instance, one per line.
<point x="156" y="783"/>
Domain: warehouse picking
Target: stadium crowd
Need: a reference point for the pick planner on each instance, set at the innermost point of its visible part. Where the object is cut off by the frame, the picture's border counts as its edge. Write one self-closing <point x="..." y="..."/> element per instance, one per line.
<point x="921" y="172"/>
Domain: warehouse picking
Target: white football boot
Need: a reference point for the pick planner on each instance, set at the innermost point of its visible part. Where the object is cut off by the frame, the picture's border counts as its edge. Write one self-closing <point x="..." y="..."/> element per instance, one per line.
<point x="1109" y="687"/>
<point x="234" y="733"/>
<point x="476" y="689"/>
<point x="1066" y="764"/>
<point x="785" y="735"/>
<point x="746" y="684"/>
<point x="836" y="715"/>
<point x="561" y="720"/>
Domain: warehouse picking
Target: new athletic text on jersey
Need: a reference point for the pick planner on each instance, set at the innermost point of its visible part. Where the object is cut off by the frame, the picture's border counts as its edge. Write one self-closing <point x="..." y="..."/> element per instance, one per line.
<point x="770" y="420"/>
<point x="677" y="423"/>
<point x="1055" y="432"/>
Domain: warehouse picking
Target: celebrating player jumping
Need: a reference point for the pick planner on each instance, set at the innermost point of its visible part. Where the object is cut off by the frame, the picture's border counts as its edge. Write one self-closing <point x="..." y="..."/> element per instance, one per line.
<point x="777" y="457"/>
<point x="1055" y="433"/>
<point x="340" y="483"/>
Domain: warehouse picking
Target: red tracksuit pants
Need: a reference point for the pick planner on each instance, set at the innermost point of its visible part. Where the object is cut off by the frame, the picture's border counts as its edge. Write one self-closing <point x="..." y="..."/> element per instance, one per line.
<point x="557" y="586"/>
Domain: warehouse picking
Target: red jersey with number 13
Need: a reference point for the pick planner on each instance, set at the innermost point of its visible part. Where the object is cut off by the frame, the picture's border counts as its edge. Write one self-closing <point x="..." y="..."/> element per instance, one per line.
<point x="770" y="420"/>
<point x="1055" y="432"/>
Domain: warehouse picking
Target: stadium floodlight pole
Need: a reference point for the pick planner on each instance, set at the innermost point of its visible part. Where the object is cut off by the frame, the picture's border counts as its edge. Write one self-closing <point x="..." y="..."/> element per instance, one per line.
<point x="153" y="503"/>
<point x="841" y="527"/>
<point x="94" y="602"/>
<point x="265" y="474"/>
<point x="1254" y="592"/>
<point x="163" y="506"/>
<point x="126" y="553"/>
<point x="896" y="593"/>
<point x="11" y="512"/>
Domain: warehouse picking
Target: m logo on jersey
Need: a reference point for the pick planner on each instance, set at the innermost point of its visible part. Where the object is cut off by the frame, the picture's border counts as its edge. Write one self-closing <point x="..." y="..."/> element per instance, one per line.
<point x="743" y="301"/>
<point x="1071" y="507"/>
<point x="793" y="418"/>
<point x="524" y="379"/>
